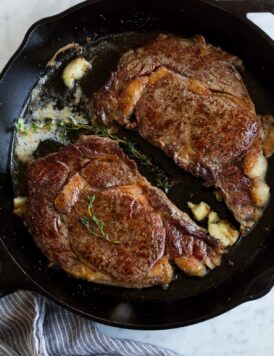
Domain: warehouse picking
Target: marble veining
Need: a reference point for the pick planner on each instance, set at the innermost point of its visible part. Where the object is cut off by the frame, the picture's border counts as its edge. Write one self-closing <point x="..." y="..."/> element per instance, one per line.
<point x="244" y="331"/>
<point x="247" y="330"/>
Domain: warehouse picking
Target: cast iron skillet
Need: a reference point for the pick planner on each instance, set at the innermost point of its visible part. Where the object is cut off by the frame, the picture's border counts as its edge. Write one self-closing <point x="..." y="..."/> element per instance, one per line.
<point x="247" y="273"/>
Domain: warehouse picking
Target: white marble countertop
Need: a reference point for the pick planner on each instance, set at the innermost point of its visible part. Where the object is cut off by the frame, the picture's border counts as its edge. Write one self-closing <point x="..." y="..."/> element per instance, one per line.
<point x="247" y="330"/>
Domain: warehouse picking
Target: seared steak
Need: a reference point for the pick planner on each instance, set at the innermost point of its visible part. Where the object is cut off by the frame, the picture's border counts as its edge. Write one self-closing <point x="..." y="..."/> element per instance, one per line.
<point x="189" y="99"/>
<point x="94" y="215"/>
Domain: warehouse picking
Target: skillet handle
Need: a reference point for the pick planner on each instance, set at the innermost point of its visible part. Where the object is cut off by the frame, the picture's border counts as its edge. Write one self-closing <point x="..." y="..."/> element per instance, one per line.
<point x="241" y="7"/>
<point x="11" y="276"/>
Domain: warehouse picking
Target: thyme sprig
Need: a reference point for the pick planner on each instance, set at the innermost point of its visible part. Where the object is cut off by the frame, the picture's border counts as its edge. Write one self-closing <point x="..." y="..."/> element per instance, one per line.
<point x="93" y="224"/>
<point x="94" y="129"/>
<point x="130" y="148"/>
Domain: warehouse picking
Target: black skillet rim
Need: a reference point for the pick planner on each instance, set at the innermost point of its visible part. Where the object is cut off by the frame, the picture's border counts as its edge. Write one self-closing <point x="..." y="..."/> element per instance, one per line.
<point x="36" y="287"/>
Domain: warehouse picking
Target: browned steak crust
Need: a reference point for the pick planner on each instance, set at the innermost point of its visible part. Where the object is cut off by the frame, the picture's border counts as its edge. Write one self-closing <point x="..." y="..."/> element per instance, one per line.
<point x="193" y="123"/>
<point x="189" y="99"/>
<point x="143" y="230"/>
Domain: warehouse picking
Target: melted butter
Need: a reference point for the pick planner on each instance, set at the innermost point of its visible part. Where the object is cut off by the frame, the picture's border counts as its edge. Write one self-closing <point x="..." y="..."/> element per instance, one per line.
<point x="49" y="111"/>
<point x="27" y="143"/>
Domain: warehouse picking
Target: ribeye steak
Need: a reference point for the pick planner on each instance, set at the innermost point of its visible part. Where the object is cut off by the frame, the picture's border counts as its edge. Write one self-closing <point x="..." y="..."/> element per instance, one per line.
<point x="93" y="214"/>
<point x="188" y="98"/>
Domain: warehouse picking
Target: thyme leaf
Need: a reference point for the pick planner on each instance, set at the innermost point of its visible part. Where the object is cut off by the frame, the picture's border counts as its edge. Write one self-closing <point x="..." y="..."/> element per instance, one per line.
<point x="62" y="135"/>
<point x="85" y="221"/>
<point x="20" y="125"/>
<point x="164" y="184"/>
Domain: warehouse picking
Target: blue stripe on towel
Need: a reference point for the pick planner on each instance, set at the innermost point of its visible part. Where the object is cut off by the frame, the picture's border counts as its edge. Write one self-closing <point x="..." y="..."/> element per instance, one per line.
<point x="32" y="325"/>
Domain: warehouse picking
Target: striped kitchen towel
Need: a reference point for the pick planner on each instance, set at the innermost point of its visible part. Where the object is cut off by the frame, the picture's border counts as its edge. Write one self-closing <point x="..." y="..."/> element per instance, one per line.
<point x="32" y="325"/>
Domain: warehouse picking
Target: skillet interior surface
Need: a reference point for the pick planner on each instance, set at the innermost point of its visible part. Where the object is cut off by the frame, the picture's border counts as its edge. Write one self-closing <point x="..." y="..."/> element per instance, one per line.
<point x="246" y="272"/>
